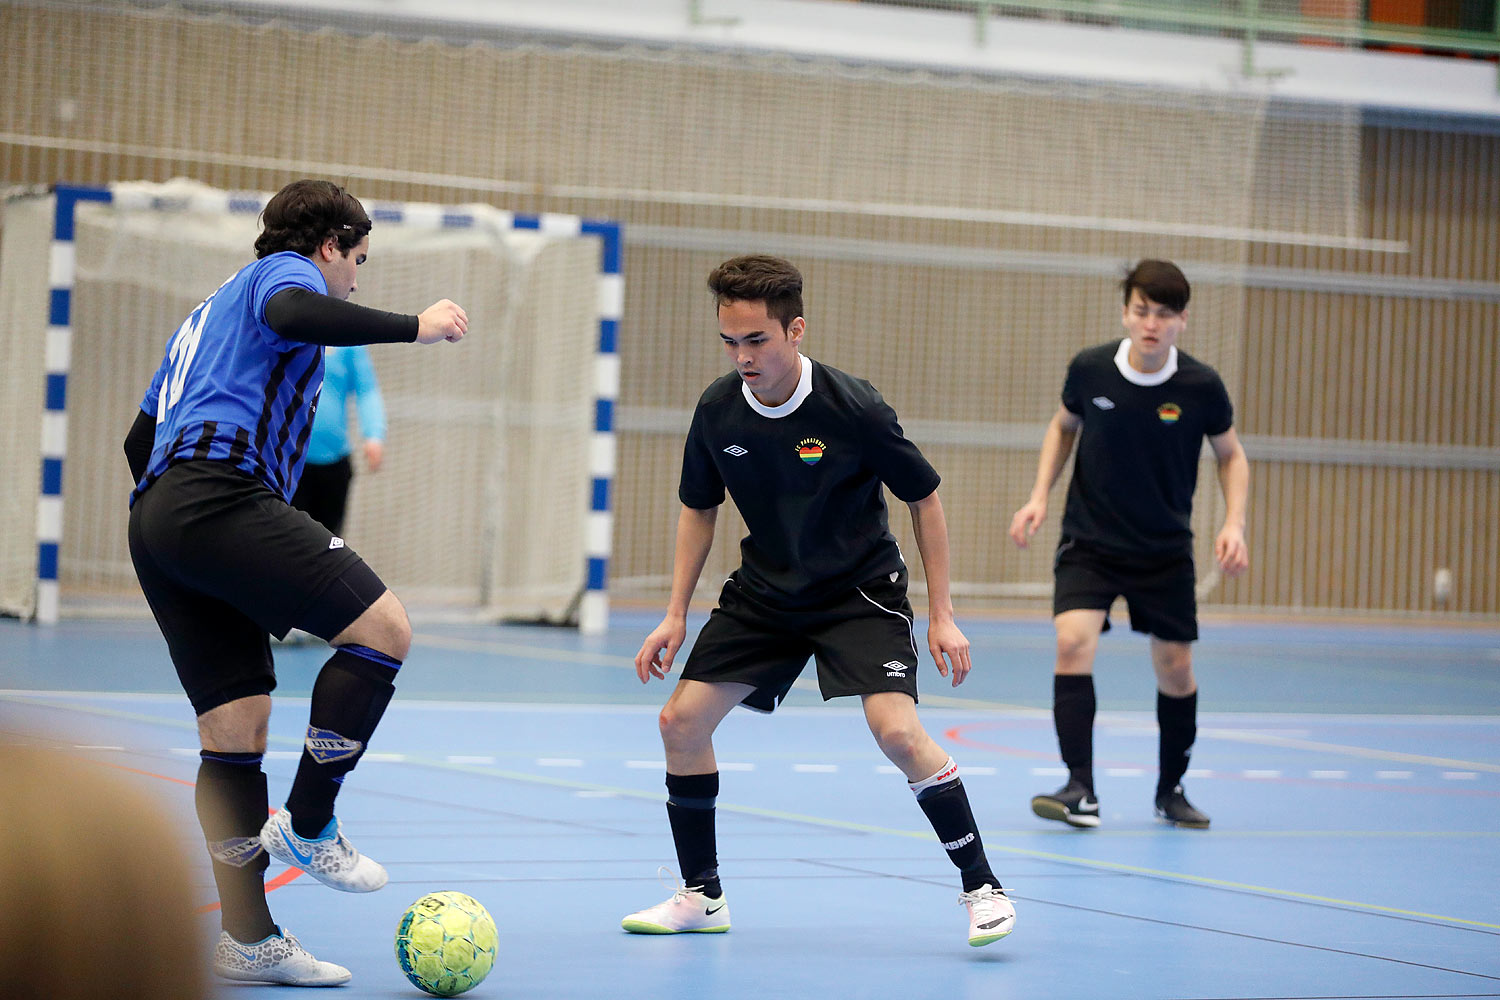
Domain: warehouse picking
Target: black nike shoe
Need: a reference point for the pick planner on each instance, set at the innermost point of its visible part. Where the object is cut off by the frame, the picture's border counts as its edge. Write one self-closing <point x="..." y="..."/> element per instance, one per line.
<point x="1173" y="807"/>
<point x="1072" y="804"/>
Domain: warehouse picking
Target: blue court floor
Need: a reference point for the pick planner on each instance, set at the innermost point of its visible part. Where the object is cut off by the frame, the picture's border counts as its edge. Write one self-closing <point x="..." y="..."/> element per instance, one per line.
<point x="1353" y="777"/>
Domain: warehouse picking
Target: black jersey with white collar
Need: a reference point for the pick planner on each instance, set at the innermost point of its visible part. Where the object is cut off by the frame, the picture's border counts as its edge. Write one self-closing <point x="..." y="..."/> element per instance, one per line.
<point x="806" y="476"/>
<point x="1138" y="448"/>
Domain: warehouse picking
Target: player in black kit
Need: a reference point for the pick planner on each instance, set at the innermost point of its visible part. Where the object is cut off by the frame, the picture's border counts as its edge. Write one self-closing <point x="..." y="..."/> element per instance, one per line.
<point x="804" y="450"/>
<point x="1140" y="409"/>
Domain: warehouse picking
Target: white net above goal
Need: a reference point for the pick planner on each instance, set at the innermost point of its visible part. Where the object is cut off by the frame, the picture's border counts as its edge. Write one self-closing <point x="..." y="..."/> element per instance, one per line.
<point x="482" y="507"/>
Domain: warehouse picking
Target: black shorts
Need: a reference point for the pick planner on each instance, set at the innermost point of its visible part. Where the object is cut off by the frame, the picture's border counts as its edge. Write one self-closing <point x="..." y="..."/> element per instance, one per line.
<point x="223" y="561"/>
<point x="324" y="492"/>
<point x="864" y="643"/>
<point x="1158" y="592"/>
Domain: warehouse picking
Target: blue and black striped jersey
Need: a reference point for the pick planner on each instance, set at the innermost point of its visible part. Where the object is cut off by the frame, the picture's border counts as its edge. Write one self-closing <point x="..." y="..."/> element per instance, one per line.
<point x="231" y="389"/>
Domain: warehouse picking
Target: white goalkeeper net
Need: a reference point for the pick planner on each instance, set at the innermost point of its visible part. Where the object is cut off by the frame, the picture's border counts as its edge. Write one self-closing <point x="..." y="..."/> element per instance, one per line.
<point x="479" y="508"/>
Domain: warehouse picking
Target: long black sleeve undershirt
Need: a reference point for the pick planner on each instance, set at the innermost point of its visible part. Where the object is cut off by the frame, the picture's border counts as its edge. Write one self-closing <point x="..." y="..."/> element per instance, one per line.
<point x="139" y="442"/>
<point x="304" y="315"/>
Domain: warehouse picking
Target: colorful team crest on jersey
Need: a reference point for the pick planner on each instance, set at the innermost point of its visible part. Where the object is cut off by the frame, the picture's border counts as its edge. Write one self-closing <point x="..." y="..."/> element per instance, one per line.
<point x="1169" y="413"/>
<point x="810" y="450"/>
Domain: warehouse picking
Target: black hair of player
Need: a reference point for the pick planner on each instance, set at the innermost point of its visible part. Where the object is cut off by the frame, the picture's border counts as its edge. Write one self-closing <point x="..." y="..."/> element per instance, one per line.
<point x="303" y="214"/>
<point x="760" y="278"/>
<point x="1160" y="281"/>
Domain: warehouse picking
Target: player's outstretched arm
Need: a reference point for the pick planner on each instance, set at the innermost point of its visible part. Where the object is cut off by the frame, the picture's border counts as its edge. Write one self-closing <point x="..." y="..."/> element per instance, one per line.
<point x="947" y="644"/>
<point x="1057" y="445"/>
<point x="443" y="320"/>
<point x="1230" y="548"/>
<point x="695" y="536"/>
<point x="308" y="317"/>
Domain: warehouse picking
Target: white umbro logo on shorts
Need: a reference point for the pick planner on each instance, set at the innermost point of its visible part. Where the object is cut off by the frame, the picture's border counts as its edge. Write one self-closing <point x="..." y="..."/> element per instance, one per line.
<point x="894" y="668"/>
<point x="336" y="542"/>
<point x="1103" y="402"/>
<point x="735" y="450"/>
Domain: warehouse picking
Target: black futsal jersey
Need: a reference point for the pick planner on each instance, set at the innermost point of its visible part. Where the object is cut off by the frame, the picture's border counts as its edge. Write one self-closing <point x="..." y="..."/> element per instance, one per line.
<point x="1138" y="448"/>
<point x="806" y="476"/>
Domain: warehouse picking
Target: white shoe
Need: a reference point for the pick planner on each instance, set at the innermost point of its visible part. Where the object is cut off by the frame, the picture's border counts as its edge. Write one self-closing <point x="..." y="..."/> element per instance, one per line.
<point x="329" y="858"/>
<point x="279" y="959"/>
<point x="689" y="911"/>
<point x="991" y="915"/>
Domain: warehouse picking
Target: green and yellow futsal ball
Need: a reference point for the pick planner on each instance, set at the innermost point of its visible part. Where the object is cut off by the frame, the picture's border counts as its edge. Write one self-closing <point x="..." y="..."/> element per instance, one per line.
<point x="445" y="943"/>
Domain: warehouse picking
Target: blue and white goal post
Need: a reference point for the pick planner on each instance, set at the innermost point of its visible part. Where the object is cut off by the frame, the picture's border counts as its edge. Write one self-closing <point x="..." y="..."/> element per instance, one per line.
<point x="512" y="430"/>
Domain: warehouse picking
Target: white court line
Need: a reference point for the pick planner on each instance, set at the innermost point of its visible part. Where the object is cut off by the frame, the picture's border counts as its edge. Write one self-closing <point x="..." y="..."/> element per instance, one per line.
<point x="1049" y="772"/>
<point x="1459" y="775"/>
<point x="815" y="768"/>
<point x="1392" y="775"/>
<point x="387" y="758"/>
<point x="1261" y="774"/>
<point x="1329" y="775"/>
<point x="725" y="765"/>
<point x="1124" y="772"/>
<point x="96" y="746"/>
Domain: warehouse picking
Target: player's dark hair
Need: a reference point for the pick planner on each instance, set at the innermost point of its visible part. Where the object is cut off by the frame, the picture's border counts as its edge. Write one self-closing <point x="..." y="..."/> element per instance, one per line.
<point x="1160" y="281"/>
<point x="760" y="277"/>
<point x="303" y="214"/>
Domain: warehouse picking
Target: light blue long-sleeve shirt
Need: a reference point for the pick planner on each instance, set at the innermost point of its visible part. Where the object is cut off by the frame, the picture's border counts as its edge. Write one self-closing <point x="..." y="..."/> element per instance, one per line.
<point x="345" y="370"/>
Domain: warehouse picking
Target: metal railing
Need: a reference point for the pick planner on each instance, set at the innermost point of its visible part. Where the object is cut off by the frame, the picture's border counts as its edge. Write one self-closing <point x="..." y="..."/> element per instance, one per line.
<point x="1245" y="20"/>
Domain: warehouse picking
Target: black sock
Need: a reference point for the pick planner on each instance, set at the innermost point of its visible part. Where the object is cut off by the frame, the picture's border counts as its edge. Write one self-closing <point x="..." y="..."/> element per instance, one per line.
<point x="946" y="803"/>
<point x="1073" y="716"/>
<point x="1178" y="719"/>
<point x="350" y="696"/>
<point x="232" y="804"/>
<point x="690" y="810"/>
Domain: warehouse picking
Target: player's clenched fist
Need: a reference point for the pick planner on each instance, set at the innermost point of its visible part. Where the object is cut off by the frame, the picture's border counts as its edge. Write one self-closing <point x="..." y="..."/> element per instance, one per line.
<point x="443" y="320"/>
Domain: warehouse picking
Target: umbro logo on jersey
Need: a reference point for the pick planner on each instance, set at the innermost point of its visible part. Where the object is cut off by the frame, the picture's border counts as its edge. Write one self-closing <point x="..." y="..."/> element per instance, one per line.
<point x="895" y="668"/>
<point x="1103" y="402"/>
<point x="736" y="451"/>
<point x="336" y="542"/>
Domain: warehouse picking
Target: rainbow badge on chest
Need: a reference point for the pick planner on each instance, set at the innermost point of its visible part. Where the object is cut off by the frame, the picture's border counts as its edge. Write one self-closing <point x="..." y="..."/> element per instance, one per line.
<point x="810" y="450"/>
<point x="1169" y="413"/>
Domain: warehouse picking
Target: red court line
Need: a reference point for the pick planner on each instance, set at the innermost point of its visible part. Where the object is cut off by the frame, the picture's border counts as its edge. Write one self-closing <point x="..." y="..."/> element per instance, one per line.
<point x="275" y="883"/>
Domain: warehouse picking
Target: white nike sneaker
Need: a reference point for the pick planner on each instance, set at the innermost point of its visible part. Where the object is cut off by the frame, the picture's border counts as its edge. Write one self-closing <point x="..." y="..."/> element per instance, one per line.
<point x="689" y="911"/>
<point x="279" y="959"/>
<point x="991" y="915"/>
<point x="329" y="858"/>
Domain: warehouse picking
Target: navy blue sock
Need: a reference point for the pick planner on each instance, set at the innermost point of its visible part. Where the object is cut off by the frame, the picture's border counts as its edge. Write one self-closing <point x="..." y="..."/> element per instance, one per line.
<point x="946" y="803"/>
<point x="351" y="694"/>
<point x="231" y="801"/>
<point x="1073" y="707"/>
<point x="1178" y="719"/>
<point x="690" y="810"/>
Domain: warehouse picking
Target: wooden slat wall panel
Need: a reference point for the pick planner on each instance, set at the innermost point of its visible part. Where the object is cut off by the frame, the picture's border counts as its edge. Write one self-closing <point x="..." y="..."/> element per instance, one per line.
<point x="1357" y="367"/>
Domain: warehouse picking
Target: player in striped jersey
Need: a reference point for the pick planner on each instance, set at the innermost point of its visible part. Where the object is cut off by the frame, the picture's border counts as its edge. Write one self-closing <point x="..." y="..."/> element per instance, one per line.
<point x="216" y="452"/>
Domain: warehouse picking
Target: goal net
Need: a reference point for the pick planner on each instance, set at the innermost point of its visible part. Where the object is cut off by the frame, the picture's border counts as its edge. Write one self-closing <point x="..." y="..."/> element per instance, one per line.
<point x="482" y="506"/>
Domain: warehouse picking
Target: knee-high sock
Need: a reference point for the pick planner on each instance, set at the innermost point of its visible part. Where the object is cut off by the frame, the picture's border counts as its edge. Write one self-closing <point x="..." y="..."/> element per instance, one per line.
<point x="1178" y="719"/>
<point x="351" y="694"/>
<point x="946" y="803"/>
<point x="690" y="810"/>
<point x="1073" y="715"/>
<point x="230" y="797"/>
